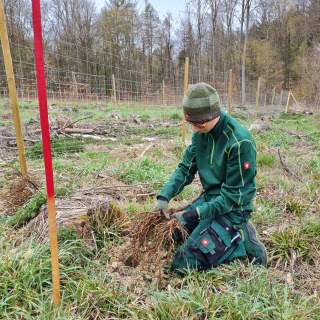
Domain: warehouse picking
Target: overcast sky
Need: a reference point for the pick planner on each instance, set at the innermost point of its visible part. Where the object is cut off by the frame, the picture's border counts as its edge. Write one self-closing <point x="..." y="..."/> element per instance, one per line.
<point x="175" y="7"/>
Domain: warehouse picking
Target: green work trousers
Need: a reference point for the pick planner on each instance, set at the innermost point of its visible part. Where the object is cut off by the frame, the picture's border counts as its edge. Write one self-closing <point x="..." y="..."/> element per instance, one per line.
<point x="196" y="252"/>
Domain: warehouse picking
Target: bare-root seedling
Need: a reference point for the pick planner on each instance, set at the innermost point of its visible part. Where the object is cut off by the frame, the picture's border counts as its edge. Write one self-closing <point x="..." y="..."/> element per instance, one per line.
<point x="152" y="239"/>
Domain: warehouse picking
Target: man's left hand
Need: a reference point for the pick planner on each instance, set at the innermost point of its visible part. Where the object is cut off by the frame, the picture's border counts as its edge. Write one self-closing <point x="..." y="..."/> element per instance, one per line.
<point x="187" y="217"/>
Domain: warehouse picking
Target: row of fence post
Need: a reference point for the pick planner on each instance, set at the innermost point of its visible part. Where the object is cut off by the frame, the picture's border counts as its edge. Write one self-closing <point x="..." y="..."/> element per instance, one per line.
<point x="230" y="91"/>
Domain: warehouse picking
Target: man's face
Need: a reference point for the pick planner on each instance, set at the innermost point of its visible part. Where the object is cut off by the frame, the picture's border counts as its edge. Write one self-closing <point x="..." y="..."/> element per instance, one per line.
<point x="203" y="127"/>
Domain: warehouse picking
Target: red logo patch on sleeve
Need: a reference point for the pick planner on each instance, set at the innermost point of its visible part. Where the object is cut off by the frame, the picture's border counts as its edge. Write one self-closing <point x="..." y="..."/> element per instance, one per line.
<point x="205" y="242"/>
<point x="246" y="165"/>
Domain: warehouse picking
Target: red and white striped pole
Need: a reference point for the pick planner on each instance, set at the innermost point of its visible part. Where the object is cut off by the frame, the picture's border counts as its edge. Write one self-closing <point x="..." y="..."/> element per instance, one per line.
<point x="46" y="147"/>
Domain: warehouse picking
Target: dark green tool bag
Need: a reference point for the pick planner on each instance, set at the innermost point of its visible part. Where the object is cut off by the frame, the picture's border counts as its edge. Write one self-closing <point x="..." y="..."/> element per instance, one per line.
<point x="217" y="244"/>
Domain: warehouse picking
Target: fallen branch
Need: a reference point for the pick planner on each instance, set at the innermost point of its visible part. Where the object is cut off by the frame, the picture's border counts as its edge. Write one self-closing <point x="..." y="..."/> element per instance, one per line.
<point x="286" y="169"/>
<point x="93" y="137"/>
<point x="68" y="125"/>
<point x="77" y="130"/>
<point x="14" y="138"/>
<point x="145" y="195"/>
<point x="144" y="151"/>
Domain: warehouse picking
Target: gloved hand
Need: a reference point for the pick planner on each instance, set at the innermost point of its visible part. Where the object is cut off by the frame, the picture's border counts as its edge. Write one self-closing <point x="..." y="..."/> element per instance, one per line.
<point x="162" y="205"/>
<point x="187" y="218"/>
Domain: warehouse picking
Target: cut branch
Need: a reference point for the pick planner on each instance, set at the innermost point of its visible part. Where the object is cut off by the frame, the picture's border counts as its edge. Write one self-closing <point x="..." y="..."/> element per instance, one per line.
<point x="285" y="167"/>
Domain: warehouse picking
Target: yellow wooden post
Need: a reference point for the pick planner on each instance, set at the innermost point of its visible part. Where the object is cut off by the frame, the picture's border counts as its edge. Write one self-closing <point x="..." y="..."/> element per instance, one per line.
<point x="295" y="100"/>
<point x="114" y="92"/>
<point x="281" y="95"/>
<point x="186" y="75"/>
<point x="163" y="92"/>
<point x="288" y="101"/>
<point x="258" y="96"/>
<point x="273" y="95"/>
<point x="12" y="89"/>
<point x="230" y="91"/>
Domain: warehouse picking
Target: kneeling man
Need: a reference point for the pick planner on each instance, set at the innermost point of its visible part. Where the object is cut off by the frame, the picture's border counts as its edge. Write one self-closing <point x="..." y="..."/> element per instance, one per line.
<point x="223" y="153"/>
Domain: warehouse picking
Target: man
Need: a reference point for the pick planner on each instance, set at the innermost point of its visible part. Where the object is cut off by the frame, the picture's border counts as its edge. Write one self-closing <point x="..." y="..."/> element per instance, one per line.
<point x="224" y="155"/>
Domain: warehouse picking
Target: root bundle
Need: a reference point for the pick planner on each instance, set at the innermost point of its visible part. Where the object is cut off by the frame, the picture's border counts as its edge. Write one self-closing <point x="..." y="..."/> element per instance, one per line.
<point x="152" y="237"/>
<point x="20" y="191"/>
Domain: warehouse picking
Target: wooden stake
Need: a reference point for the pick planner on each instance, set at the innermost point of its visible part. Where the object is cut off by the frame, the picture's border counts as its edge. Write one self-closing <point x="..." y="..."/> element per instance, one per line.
<point x="273" y="95"/>
<point x="185" y="88"/>
<point x="258" y="95"/>
<point x="163" y="93"/>
<point x="288" y="101"/>
<point x="281" y="95"/>
<point x="295" y="100"/>
<point x="46" y="147"/>
<point x="12" y="89"/>
<point x="52" y="225"/>
<point x="230" y="91"/>
<point x="186" y="75"/>
<point x="114" y="92"/>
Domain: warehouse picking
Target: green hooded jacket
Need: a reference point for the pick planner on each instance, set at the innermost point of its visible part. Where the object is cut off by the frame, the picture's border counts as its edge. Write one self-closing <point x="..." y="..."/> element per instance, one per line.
<point x="225" y="159"/>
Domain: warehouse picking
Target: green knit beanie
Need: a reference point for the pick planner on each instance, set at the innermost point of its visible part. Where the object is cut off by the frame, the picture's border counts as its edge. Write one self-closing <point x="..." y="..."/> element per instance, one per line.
<point x="201" y="103"/>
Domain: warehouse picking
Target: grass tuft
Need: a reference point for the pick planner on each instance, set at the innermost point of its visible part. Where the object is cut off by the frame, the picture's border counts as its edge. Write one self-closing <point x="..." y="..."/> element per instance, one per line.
<point x="289" y="243"/>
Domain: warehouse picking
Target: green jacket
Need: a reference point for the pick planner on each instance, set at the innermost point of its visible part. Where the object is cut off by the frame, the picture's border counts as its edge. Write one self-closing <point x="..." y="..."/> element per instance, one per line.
<point x="225" y="159"/>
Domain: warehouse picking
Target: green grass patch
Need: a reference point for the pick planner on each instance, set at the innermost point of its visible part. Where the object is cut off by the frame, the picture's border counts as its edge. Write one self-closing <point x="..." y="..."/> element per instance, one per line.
<point x="312" y="230"/>
<point x="176" y="116"/>
<point x="234" y="292"/>
<point x="26" y="274"/>
<point x="144" y="170"/>
<point x="266" y="212"/>
<point x="28" y="211"/>
<point x="58" y="147"/>
<point x="266" y="160"/>
<point x="274" y="138"/>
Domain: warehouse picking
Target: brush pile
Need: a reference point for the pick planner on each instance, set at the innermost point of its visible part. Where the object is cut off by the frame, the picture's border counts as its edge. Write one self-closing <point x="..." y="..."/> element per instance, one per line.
<point x="152" y="238"/>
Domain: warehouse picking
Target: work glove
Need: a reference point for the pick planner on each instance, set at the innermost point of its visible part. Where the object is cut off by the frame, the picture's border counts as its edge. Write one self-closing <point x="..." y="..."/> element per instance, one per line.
<point x="188" y="218"/>
<point x="162" y="205"/>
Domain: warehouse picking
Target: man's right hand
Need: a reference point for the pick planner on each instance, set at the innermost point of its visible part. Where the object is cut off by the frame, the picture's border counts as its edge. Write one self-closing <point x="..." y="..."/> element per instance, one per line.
<point x="162" y="205"/>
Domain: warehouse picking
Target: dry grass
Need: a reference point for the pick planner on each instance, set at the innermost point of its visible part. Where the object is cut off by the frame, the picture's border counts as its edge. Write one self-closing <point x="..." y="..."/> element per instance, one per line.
<point x="21" y="189"/>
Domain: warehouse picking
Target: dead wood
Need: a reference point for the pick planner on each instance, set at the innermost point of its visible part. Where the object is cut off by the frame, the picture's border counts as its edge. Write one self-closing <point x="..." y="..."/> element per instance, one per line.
<point x="85" y="214"/>
<point x="286" y="169"/>
<point x="70" y="124"/>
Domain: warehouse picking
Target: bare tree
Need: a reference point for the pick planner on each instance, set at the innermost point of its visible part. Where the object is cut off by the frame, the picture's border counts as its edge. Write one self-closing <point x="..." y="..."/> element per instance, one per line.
<point x="229" y="9"/>
<point x="246" y="5"/>
<point x="214" y="8"/>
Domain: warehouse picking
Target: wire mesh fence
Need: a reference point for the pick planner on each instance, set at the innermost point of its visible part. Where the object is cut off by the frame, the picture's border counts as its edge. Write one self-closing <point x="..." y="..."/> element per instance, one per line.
<point x="85" y="89"/>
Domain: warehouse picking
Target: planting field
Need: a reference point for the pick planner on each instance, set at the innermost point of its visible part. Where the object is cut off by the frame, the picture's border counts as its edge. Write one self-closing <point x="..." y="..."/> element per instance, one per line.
<point x="109" y="162"/>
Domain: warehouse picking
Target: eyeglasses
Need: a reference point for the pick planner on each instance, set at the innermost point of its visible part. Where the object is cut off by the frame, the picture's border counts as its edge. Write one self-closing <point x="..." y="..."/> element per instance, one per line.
<point x="198" y="124"/>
